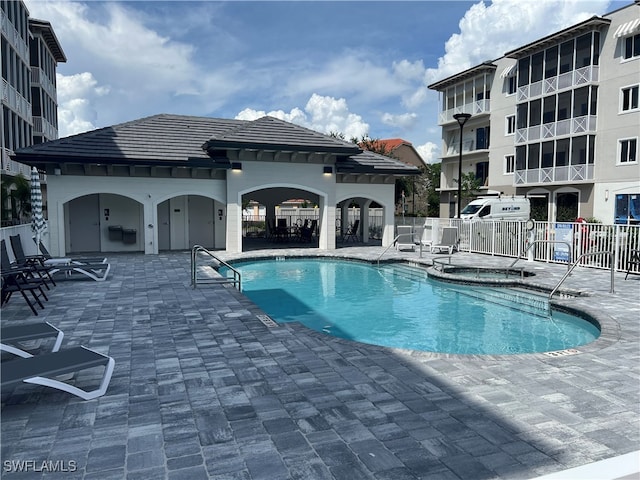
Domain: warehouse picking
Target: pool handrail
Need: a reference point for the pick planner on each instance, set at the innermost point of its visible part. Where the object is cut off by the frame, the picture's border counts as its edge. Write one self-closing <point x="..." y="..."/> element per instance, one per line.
<point x="574" y="264"/>
<point x="546" y="242"/>
<point x="393" y="242"/>
<point x="237" y="277"/>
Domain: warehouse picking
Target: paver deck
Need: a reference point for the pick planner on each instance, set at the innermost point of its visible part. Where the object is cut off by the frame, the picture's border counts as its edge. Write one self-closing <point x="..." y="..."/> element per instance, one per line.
<point x="203" y="389"/>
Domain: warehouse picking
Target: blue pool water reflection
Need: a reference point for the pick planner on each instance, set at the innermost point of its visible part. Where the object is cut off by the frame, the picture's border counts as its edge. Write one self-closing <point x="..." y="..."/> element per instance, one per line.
<point x="399" y="306"/>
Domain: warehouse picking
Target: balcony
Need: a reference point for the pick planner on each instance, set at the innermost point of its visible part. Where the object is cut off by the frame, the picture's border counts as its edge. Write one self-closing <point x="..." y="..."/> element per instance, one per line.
<point x="565" y="174"/>
<point x="13" y="168"/>
<point x="40" y="79"/>
<point x="454" y="147"/>
<point x="16" y="102"/>
<point x="41" y="126"/>
<point x="564" y="81"/>
<point x="570" y="126"/>
<point x="476" y="108"/>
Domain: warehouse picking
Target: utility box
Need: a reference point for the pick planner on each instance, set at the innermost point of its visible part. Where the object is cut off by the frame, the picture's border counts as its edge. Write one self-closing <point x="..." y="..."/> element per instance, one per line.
<point x="129" y="236"/>
<point x="115" y="233"/>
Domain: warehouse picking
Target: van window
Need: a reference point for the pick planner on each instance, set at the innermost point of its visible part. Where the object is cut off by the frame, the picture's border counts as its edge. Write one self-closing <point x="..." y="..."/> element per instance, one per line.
<point x="470" y="209"/>
<point x="486" y="210"/>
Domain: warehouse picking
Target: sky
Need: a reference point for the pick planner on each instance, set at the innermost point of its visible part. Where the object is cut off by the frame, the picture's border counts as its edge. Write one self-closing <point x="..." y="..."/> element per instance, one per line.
<point x="355" y="68"/>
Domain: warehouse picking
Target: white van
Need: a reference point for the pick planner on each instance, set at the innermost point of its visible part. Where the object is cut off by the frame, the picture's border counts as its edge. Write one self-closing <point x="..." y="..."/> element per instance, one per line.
<point x="497" y="208"/>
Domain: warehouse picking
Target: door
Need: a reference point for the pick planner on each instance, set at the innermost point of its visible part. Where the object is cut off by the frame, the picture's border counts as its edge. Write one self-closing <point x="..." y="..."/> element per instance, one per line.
<point x="164" y="226"/>
<point x="178" y="222"/>
<point x="201" y="221"/>
<point x="84" y="224"/>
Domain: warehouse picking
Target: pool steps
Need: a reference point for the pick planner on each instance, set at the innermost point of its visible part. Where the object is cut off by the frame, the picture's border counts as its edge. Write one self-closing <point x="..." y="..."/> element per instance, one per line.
<point x="523" y="300"/>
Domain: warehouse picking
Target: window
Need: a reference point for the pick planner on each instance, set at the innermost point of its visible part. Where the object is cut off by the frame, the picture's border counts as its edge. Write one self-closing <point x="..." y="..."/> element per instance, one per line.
<point x="511" y="84"/>
<point x="509" y="164"/>
<point x="629" y="98"/>
<point x="482" y="172"/>
<point x="628" y="148"/>
<point x="510" y="126"/>
<point x="631" y="47"/>
<point x="482" y="138"/>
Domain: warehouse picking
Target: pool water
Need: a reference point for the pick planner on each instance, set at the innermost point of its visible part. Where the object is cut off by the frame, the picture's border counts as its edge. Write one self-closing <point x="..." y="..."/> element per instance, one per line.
<point x="399" y="306"/>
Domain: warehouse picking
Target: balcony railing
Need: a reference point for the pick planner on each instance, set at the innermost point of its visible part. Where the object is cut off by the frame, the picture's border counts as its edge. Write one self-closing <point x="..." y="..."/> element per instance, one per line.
<point x="11" y="167"/>
<point x="13" y="36"/>
<point x="41" y="126"/>
<point x="39" y="78"/>
<point x="15" y="101"/>
<point x="585" y="124"/>
<point x="565" y="174"/>
<point x="474" y="108"/>
<point x="574" y="78"/>
<point x="454" y="148"/>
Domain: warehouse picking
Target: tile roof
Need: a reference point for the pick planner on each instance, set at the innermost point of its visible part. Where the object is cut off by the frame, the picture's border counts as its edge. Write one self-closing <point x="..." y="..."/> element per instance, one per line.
<point x="167" y="139"/>
<point x="370" y="162"/>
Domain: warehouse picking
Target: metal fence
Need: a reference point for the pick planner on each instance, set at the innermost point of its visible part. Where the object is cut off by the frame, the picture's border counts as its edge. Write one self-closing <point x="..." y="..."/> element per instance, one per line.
<point x="559" y="242"/>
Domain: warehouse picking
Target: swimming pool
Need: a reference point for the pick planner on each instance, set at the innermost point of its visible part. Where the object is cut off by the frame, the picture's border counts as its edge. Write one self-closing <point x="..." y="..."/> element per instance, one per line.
<point x="398" y="306"/>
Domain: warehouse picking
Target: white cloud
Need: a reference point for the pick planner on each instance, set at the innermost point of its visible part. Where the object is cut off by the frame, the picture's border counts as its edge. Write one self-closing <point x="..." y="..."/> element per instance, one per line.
<point x="403" y="120"/>
<point x="146" y="72"/>
<point x="321" y="113"/>
<point x="76" y="99"/>
<point x="429" y="152"/>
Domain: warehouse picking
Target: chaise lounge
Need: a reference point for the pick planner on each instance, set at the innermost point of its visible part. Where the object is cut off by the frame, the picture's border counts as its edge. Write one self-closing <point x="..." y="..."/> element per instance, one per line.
<point x="42" y="369"/>
<point x="449" y="240"/>
<point x="12" y="338"/>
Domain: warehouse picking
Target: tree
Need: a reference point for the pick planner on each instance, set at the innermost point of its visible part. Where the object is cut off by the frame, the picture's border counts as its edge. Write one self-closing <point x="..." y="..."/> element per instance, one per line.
<point x="16" y="197"/>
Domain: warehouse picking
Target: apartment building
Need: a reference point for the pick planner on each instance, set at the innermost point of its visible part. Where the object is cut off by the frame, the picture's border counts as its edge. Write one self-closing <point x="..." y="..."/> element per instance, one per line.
<point x="30" y="53"/>
<point x="557" y="119"/>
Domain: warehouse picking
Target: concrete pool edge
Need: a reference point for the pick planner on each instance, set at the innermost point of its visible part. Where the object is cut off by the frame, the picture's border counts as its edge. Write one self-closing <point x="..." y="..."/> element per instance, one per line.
<point x="608" y="326"/>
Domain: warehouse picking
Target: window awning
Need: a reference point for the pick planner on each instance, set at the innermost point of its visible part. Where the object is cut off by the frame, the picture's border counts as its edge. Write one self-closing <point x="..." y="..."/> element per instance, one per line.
<point x="509" y="71"/>
<point x="627" y="28"/>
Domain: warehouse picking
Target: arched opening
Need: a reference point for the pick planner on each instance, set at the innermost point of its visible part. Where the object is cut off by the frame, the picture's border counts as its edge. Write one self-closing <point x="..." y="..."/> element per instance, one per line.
<point x="359" y="220"/>
<point x="103" y="222"/>
<point x="188" y="220"/>
<point x="280" y="217"/>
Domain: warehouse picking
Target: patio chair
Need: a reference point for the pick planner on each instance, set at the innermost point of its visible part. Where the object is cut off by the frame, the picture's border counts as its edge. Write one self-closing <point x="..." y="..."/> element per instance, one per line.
<point x="13" y="282"/>
<point x="13" y="338"/>
<point x="405" y="238"/>
<point x="426" y="239"/>
<point x="449" y="240"/>
<point x="352" y="232"/>
<point x="634" y="260"/>
<point x="42" y="370"/>
<point x="33" y="263"/>
<point x="307" y="231"/>
<point x="51" y="261"/>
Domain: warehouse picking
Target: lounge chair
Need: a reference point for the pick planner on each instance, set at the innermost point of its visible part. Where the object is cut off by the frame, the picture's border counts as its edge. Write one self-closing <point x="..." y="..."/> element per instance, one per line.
<point x="352" y="232"/>
<point x="50" y="260"/>
<point x="40" y="369"/>
<point x="97" y="271"/>
<point x="12" y="338"/>
<point x="449" y="240"/>
<point x="34" y="262"/>
<point x="405" y="238"/>
<point x="426" y="239"/>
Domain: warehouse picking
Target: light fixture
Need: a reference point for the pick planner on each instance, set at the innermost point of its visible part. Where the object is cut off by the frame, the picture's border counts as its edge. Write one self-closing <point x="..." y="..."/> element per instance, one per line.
<point x="237" y="166"/>
<point x="328" y="170"/>
<point x="606" y="195"/>
<point x="461" y="118"/>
